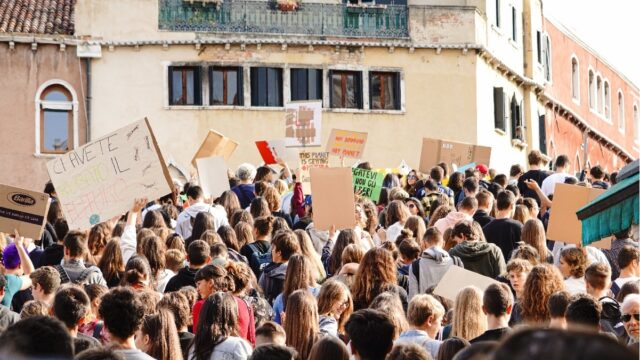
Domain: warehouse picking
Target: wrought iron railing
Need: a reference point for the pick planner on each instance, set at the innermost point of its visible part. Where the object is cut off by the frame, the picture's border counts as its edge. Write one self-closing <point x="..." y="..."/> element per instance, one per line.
<point x="314" y="19"/>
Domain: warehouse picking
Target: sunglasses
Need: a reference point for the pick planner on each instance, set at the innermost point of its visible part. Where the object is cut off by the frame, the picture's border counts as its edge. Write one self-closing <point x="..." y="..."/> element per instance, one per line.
<point x="627" y="317"/>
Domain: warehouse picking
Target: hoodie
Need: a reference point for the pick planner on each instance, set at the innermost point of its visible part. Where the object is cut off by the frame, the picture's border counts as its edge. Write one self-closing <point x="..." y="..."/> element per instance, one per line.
<point x="451" y="220"/>
<point x="480" y="257"/>
<point x="611" y="317"/>
<point x="272" y="280"/>
<point x="184" y="227"/>
<point x="7" y="317"/>
<point x="185" y="277"/>
<point x="433" y="264"/>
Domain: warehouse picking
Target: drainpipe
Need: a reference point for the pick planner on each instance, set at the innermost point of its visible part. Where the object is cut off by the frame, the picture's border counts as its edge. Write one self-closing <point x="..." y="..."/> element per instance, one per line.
<point x="87" y="103"/>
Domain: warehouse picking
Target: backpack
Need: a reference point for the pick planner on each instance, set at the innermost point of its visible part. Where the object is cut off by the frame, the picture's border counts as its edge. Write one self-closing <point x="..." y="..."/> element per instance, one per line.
<point x="81" y="280"/>
<point x="258" y="260"/>
<point x="611" y="317"/>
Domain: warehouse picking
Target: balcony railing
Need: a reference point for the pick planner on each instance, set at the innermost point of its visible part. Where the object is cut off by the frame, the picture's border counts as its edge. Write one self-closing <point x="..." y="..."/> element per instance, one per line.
<point x="262" y="17"/>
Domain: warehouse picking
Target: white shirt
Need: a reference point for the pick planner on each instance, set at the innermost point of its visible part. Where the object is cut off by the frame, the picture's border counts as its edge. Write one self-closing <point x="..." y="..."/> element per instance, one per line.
<point x="394" y="231"/>
<point x="575" y="286"/>
<point x="621" y="281"/>
<point x="184" y="228"/>
<point x="232" y="348"/>
<point x="549" y="183"/>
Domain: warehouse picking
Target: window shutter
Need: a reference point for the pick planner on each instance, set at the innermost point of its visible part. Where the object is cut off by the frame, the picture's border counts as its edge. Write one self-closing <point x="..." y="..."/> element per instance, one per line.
<point x="254" y="87"/>
<point x="240" y="86"/>
<point x="170" y="74"/>
<point x="197" y="86"/>
<point x="371" y="74"/>
<point x="498" y="108"/>
<point x="358" y="90"/>
<point x="279" y="87"/>
<point x="318" y="84"/>
<point x="514" y="116"/>
<point x="543" y="134"/>
<point x="396" y="90"/>
<point x="331" y="100"/>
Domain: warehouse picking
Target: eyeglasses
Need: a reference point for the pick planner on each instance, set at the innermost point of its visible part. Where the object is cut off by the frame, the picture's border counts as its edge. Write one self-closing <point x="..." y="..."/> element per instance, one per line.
<point x="627" y="317"/>
<point x="412" y="177"/>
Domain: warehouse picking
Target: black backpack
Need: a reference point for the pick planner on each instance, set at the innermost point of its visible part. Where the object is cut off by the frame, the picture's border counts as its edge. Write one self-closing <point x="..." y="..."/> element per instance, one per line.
<point x="258" y="259"/>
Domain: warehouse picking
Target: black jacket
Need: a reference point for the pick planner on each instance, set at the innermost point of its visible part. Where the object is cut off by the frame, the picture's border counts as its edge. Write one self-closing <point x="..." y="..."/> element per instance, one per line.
<point x="52" y="255"/>
<point x="482" y="217"/>
<point x="185" y="277"/>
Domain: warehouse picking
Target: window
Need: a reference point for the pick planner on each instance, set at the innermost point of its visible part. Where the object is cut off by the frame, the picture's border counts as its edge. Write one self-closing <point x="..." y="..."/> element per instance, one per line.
<point x="546" y="56"/>
<point x="226" y="86"/>
<point x="514" y="24"/>
<point x="498" y="13"/>
<point x="621" y="111"/>
<point x="56" y="120"/>
<point x="542" y="133"/>
<point x="185" y="85"/>
<point x="266" y="86"/>
<point x="607" y="100"/>
<point x="517" y="125"/>
<point x="592" y="91"/>
<point x="599" y="94"/>
<point x="539" y="46"/>
<point x="384" y="90"/>
<point x="306" y="84"/>
<point x="498" y="108"/>
<point x="575" y="79"/>
<point x="636" y="122"/>
<point x="346" y="89"/>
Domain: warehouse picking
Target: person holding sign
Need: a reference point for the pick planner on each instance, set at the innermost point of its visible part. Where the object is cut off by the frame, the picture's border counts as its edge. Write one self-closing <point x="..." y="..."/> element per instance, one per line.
<point x="18" y="266"/>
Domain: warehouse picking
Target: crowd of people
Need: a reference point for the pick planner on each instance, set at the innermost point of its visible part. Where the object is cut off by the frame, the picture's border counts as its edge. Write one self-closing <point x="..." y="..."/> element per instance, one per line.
<point x="248" y="276"/>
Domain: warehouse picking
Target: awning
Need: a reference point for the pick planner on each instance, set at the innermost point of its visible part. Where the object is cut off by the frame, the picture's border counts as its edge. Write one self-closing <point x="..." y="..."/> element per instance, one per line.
<point x="614" y="210"/>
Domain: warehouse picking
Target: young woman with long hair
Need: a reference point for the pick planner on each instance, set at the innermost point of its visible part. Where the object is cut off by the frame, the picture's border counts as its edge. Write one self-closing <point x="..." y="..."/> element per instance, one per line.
<point x="229" y="238"/>
<point x="440" y="212"/>
<point x="158" y="336"/>
<point x="301" y="322"/>
<point x="240" y="215"/>
<point x="299" y="276"/>
<point x="229" y="201"/>
<point x="573" y="263"/>
<point x="244" y="233"/>
<point x="155" y="251"/>
<point x="273" y="199"/>
<point x="542" y="281"/>
<point x="137" y="273"/>
<point x="469" y="321"/>
<point x="521" y="214"/>
<point x="203" y="222"/>
<point x="396" y="216"/>
<point x="217" y="334"/>
<point x="334" y="307"/>
<point x="99" y="235"/>
<point x="111" y="264"/>
<point x="154" y="219"/>
<point x="376" y="274"/>
<point x="246" y="288"/>
<point x="417" y="226"/>
<point x="331" y="257"/>
<point x="307" y="249"/>
<point x="259" y="207"/>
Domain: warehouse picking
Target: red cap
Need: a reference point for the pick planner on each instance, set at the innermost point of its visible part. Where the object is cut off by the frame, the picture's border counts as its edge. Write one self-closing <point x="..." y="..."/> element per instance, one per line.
<point x="482" y="168"/>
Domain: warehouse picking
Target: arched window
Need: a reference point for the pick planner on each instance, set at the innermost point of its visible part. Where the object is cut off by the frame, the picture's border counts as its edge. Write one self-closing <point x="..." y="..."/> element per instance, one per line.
<point x="592" y="91"/>
<point x="620" y="111"/>
<point x="607" y="100"/>
<point x="599" y="94"/>
<point x="575" y="79"/>
<point x="56" y="118"/>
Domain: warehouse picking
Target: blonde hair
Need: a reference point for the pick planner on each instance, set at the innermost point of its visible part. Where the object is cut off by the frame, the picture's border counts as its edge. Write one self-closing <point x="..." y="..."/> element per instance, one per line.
<point x="469" y="321"/>
<point x="423" y="306"/>
<point x="281" y="186"/>
<point x="417" y="226"/>
<point x="330" y="293"/>
<point x="301" y="322"/>
<point x="521" y="214"/>
<point x="307" y="249"/>
<point x="533" y="234"/>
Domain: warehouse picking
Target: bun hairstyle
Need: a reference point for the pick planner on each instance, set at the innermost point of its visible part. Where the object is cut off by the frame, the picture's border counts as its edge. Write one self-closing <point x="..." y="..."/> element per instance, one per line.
<point x="263" y="225"/>
<point x="137" y="273"/>
<point x="222" y="281"/>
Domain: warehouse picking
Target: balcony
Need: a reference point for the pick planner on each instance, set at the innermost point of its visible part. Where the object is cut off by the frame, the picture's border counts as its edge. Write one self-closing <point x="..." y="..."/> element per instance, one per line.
<point x="263" y="17"/>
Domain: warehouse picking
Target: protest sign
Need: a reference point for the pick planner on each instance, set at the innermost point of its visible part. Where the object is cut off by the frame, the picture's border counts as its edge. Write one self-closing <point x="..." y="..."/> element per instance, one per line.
<point x="367" y="183"/>
<point x="303" y="123"/>
<point x="100" y="180"/>
<point x="215" y="144"/>
<point x="333" y="198"/>
<point x="212" y="172"/>
<point x="271" y="150"/>
<point x="457" y="278"/>
<point x="452" y="153"/>
<point x="346" y="144"/>
<point x="564" y="224"/>
<point x="23" y="210"/>
<point x="308" y="160"/>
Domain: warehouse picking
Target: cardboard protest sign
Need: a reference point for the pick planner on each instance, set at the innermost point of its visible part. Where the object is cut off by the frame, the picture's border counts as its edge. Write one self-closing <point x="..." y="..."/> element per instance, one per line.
<point x="368" y="183"/>
<point x="271" y="150"/>
<point x="564" y="224"/>
<point x="453" y="153"/>
<point x="23" y="210"/>
<point x="457" y="278"/>
<point x="101" y="179"/>
<point x="333" y="198"/>
<point x="212" y="172"/>
<point x="346" y="144"/>
<point x="303" y="123"/>
<point x="308" y="160"/>
<point x="215" y="144"/>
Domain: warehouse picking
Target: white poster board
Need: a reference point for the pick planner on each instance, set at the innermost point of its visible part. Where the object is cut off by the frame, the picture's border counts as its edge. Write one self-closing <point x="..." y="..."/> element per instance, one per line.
<point x="212" y="172"/>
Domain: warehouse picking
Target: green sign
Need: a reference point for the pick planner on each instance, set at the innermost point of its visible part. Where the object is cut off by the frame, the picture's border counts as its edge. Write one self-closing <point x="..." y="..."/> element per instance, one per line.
<point x="367" y="183"/>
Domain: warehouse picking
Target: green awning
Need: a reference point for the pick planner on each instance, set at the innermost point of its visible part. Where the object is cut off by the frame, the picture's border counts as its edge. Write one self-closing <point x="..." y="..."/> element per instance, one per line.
<point x="614" y="210"/>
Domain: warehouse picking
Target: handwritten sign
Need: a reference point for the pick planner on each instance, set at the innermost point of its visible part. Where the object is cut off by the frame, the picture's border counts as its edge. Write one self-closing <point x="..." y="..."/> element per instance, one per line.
<point x="453" y="153"/>
<point x="368" y="183"/>
<point x="23" y="210"/>
<point x="303" y="122"/>
<point x="215" y="144"/>
<point x="212" y="172"/>
<point x="310" y="160"/>
<point x="346" y="144"/>
<point x="100" y="179"/>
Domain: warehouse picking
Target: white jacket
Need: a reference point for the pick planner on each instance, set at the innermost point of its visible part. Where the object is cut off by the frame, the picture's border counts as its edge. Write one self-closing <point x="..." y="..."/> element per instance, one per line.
<point x="183" y="227"/>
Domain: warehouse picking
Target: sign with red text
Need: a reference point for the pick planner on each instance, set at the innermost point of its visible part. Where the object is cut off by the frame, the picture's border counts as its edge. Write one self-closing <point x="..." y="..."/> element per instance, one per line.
<point x="101" y="179"/>
<point x="23" y="210"/>
<point x="303" y="123"/>
<point x="309" y="160"/>
<point x="346" y="144"/>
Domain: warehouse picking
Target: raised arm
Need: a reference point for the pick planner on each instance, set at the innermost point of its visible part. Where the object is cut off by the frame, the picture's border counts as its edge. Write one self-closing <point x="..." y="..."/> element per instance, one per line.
<point x="25" y="261"/>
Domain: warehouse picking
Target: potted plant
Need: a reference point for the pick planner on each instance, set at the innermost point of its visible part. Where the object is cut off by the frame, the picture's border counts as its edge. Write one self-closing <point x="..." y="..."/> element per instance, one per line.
<point x="287" y="5"/>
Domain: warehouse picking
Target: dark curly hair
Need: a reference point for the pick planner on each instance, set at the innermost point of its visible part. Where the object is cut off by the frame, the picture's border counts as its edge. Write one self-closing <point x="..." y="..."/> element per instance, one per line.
<point x="122" y="312"/>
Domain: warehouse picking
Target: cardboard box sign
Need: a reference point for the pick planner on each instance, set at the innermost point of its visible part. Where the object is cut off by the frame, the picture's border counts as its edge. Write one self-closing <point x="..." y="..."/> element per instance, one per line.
<point x="436" y="151"/>
<point x="457" y="278"/>
<point x="368" y="183"/>
<point x="333" y="198"/>
<point x="100" y="180"/>
<point x="215" y="144"/>
<point x="212" y="172"/>
<point x="23" y="210"/>
<point x="346" y="144"/>
<point x="309" y="160"/>
<point x="564" y="224"/>
<point x="303" y="123"/>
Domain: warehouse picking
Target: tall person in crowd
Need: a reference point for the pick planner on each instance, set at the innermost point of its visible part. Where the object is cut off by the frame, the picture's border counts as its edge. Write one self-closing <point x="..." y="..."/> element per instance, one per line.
<point x="536" y="173"/>
<point x="504" y="231"/>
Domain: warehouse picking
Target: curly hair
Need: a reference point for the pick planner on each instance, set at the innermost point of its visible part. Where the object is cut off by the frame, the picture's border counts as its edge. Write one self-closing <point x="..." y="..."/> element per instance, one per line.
<point x="576" y="258"/>
<point x="440" y="212"/>
<point x="376" y="274"/>
<point x="469" y="321"/>
<point x="178" y="304"/>
<point x="98" y="238"/>
<point x="122" y="312"/>
<point x="241" y="274"/>
<point x="542" y="282"/>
